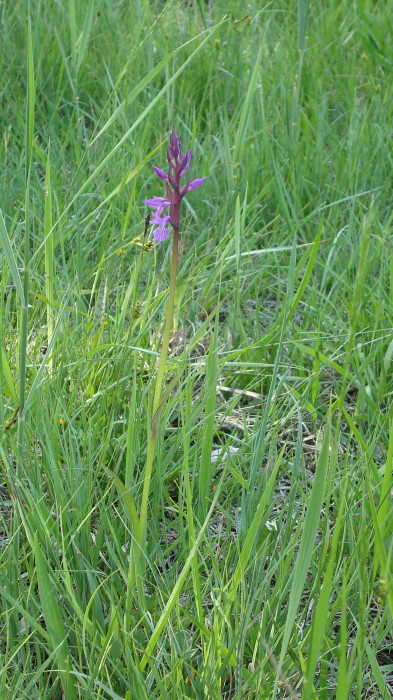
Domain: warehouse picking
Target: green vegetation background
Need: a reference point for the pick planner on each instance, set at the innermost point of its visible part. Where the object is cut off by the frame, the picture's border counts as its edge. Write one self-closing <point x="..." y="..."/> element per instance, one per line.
<point x="268" y="560"/>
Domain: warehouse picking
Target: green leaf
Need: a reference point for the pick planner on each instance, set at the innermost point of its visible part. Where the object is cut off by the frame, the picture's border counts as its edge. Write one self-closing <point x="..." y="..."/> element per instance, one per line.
<point x="307" y="543"/>
<point x="7" y="374"/>
<point x="322" y="606"/>
<point x="5" y="241"/>
<point x="128" y="501"/>
<point x="54" y="623"/>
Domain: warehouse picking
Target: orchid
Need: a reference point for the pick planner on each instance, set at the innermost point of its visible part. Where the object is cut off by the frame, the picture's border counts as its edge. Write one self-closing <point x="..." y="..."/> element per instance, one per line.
<point x="179" y="164"/>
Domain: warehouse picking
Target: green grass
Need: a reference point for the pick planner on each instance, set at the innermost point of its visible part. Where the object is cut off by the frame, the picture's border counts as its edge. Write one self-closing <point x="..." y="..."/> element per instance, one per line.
<point x="267" y="571"/>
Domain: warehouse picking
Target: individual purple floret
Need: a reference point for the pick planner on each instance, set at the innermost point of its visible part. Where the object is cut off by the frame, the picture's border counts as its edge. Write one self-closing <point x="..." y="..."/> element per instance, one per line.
<point x="178" y="166"/>
<point x="161" y="232"/>
<point x="159" y="203"/>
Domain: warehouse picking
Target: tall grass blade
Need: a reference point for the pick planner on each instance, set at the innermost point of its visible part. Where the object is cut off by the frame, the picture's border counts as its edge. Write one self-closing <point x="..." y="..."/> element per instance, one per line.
<point x="302" y="18"/>
<point x="321" y="609"/>
<point x="9" y="256"/>
<point x="49" y="257"/>
<point x="44" y="363"/>
<point x="387" y="483"/>
<point x="307" y="542"/>
<point x="73" y="31"/>
<point x="208" y="425"/>
<point x="83" y="39"/>
<point x="245" y="115"/>
<point x="29" y="136"/>
<point x="381" y="680"/>
<point x="5" y="372"/>
<point x="252" y="531"/>
<point x="54" y="623"/>
<point x="174" y="596"/>
<point x="381" y="556"/>
<point x="342" y="675"/>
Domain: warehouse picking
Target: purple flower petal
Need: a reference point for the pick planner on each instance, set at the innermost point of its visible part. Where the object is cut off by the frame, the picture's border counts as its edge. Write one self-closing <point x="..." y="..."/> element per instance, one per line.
<point x="185" y="164"/>
<point x="156" y="202"/>
<point x="174" y="149"/>
<point x="194" y="184"/>
<point x="161" y="173"/>
<point x="160" y="233"/>
<point x="160" y="220"/>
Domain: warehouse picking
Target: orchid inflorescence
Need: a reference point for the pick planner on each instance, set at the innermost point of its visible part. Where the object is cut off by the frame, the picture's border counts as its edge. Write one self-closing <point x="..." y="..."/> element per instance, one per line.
<point x="178" y="166"/>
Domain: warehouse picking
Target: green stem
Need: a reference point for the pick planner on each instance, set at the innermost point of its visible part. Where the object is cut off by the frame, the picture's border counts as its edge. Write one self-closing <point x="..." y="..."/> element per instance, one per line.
<point x="23" y="331"/>
<point x="25" y="304"/>
<point x="158" y="390"/>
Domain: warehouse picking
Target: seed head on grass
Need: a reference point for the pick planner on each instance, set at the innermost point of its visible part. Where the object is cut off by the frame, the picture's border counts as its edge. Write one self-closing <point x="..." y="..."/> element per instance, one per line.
<point x="179" y="163"/>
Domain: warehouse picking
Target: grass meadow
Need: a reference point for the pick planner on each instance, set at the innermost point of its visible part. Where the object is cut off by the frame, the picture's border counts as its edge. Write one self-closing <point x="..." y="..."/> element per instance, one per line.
<point x="266" y="567"/>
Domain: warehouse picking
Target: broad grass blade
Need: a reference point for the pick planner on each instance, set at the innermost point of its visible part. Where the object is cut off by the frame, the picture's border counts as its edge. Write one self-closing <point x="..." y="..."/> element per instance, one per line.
<point x="49" y="254"/>
<point x="302" y="17"/>
<point x="322" y="606"/>
<point x="9" y="255"/>
<point x="54" y="623"/>
<point x="7" y="375"/>
<point x="208" y="426"/>
<point x="307" y="542"/>
<point x="174" y="596"/>
<point x="252" y="531"/>
<point x="128" y="501"/>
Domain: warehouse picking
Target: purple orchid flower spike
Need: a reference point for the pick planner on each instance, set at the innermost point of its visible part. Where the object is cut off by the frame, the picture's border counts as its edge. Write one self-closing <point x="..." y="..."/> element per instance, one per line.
<point x="178" y="165"/>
